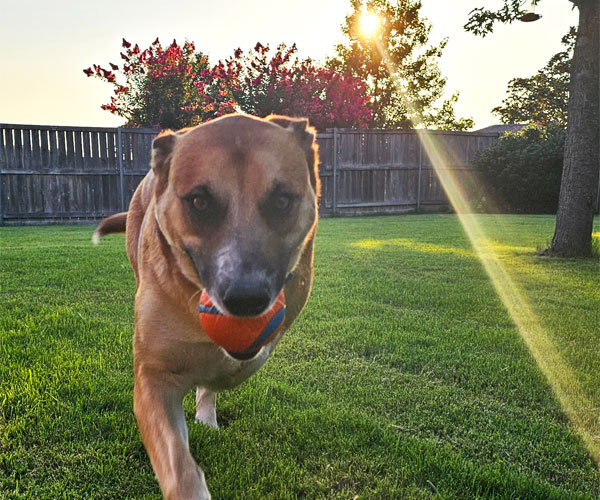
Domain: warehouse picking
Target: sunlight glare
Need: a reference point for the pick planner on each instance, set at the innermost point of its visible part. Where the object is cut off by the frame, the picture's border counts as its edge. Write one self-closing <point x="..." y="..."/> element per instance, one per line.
<point x="582" y="412"/>
<point x="369" y="23"/>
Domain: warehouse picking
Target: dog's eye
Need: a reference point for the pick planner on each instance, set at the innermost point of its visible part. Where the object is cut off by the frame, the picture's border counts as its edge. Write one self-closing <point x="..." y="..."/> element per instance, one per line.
<point x="201" y="203"/>
<point x="204" y="208"/>
<point x="279" y="206"/>
<point x="283" y="202"/>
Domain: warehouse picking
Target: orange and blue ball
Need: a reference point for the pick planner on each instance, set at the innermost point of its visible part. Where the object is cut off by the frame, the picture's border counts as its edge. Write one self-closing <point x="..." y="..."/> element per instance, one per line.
<point x="238" y="335"/>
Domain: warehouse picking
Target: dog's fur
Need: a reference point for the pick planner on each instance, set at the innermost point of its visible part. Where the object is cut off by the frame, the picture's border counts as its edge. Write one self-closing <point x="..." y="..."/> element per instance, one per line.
<point x="229" y="206"/>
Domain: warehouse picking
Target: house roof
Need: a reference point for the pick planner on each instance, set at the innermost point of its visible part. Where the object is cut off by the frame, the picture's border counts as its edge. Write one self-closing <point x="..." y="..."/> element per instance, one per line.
<point x="501" y="128"/>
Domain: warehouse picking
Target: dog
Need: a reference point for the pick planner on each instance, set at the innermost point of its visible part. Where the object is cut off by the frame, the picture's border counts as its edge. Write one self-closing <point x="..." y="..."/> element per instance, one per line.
<point x="230" y="207"/>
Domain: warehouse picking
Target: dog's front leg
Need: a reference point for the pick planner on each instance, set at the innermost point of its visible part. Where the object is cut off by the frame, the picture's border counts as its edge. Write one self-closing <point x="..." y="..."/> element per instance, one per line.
<point x="158" y="407"/>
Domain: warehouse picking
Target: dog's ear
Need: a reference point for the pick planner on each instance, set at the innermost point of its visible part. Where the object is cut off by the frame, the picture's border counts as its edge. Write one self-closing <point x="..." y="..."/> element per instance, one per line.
<point x="307" y="138"/>
<point x="162" y="148"/>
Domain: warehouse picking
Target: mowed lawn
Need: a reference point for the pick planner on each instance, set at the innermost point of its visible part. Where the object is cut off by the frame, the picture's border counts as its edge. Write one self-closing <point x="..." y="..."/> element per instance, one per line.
<point x="403" y="378"/>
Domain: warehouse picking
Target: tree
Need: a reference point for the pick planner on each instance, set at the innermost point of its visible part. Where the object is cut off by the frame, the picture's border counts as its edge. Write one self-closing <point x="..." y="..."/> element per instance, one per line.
<point x="282" y="84"/>
<point x="176" y="87"/>
<point x="542" y="98"/>
<point x="170" y="87"/>
<point x="400" y="70"/>
<point x="581" y="164"/>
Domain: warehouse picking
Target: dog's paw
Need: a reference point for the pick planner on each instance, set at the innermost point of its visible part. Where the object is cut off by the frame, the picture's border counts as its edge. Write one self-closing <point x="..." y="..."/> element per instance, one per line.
<point x="210" y="420"/>
<point x="206" y="411"/>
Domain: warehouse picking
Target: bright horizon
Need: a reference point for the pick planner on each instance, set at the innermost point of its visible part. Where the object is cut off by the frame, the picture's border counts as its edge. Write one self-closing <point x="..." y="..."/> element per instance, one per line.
<point x="46" y="47"/>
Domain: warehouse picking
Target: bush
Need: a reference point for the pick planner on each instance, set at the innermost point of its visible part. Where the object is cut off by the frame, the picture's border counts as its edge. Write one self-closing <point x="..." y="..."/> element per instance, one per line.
<point x="281" y="83"/>
<point x="163" y="87"/>
<point x="521" y="173"/>
<point x="176" y="87"/>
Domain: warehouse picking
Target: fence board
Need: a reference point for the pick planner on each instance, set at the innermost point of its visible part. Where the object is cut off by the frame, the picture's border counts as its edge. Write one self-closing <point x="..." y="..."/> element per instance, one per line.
<point x="9" y="148"/>
<point x="3" y="160"/>
<point x="103" y="154"/>
<point x="62" y="150"/>
<point x="45" y="150"/>
<point x="78" y="140"/>
<point x="26" y="148"/>
<point x="87" y="149"/>
<point x="18" y="147"/>
<point x="53" y="147"/>
<point x="95" y="150"/>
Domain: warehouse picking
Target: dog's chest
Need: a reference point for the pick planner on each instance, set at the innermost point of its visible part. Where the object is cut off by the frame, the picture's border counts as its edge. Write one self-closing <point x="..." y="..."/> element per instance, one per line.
<point x="216" y="370"/>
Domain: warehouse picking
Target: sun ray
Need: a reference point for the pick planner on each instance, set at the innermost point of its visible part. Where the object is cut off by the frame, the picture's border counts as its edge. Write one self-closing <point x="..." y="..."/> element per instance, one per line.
<point x="582" y="412"/>
<point x="369" y="23"/>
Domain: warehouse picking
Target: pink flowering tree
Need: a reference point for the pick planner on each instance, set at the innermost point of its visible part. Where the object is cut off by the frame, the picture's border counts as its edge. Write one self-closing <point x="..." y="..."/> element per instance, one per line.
<point x="159" y="87"/>
<point x="328" y="99"/>
<point x="261" y="84"/>
<point x="176" y="87"/>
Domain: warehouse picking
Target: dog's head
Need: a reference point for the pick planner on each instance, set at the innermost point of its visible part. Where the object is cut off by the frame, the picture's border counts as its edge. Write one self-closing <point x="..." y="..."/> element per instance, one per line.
<point x="237" y="198"/>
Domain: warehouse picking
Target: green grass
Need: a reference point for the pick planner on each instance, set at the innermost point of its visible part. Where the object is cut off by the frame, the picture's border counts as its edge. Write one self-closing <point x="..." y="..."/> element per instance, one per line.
<point x="403" y="378"/>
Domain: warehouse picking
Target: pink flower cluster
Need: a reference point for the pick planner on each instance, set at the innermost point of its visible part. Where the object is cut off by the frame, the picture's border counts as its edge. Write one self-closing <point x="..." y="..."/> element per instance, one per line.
<point x="176" y="87"/>
<point x="286" y="85"/>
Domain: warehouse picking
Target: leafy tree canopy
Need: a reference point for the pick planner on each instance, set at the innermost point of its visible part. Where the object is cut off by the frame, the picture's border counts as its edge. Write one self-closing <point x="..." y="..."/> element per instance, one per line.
<point x="399" y="67"/>
<point x="542" y="98"/>
<point x="261" y="84"/>
<point x="170" y="87"/>
<point x="579" y="182"/>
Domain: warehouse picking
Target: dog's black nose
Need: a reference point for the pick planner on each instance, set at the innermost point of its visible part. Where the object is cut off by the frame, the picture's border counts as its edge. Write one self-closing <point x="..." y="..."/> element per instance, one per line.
<point x="246" y="299"/>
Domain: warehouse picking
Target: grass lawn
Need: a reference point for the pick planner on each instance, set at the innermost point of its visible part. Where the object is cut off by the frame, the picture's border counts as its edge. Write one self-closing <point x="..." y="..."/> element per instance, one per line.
<point x="403" y="378"/>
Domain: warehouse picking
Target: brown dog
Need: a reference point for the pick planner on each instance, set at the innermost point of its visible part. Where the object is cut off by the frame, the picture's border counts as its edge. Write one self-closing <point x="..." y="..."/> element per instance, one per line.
<point x="229" y="206"/>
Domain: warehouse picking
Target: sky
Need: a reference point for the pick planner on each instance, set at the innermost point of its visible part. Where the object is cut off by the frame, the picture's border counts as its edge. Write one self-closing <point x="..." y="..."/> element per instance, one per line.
<point x="46" y="45"/>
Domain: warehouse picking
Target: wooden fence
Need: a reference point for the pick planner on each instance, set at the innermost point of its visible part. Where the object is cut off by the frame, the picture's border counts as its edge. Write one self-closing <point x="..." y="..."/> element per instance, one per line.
<point x="389" y="171"/>
<point x="60" y="174"/>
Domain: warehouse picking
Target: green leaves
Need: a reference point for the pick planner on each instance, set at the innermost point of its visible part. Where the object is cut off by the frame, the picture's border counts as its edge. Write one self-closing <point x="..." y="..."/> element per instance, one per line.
<point x="541" y="99"/>
<point x="481" y="20"/>
<point x="401" y="71"/>
<point x="521" y="172"/>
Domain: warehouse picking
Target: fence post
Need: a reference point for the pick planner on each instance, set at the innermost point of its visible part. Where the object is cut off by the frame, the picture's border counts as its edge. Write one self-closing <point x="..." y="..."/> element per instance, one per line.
<point x="121" y="173"/>
<point x="335" y="161"/>
<point x="2" y="167"/>
<point x="420" y="172"/>
<point x="1" y="195"/>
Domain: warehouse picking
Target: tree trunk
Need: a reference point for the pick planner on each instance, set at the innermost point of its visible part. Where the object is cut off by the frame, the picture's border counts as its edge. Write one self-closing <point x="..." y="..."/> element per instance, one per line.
<point x="581" y="165"/>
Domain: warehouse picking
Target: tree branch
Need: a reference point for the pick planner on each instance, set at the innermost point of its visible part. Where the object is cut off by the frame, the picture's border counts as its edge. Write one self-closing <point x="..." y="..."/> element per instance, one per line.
<point x="481" y="21"/>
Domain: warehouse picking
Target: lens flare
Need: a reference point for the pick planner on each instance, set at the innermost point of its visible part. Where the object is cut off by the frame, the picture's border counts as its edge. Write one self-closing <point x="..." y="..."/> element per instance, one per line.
<point x="582" y="412"/>
<point x="369" y="24"/>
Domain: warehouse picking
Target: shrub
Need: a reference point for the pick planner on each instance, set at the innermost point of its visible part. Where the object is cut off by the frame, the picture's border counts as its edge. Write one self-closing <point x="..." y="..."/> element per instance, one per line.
<point x="176" y="87"/>
<point x="521" y="173"/>
<point x="163" y="87"/>
<point x="281" y="83"/>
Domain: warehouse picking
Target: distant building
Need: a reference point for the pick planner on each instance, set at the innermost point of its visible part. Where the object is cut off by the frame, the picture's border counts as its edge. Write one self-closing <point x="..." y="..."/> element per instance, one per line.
<point x="502" y="128"/>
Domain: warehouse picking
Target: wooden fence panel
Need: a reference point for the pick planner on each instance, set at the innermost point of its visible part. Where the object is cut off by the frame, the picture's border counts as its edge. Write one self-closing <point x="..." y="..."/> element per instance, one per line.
<point x="137" y="151"/>
<point x="50" y="173"/>
<point x="326" y="157"/>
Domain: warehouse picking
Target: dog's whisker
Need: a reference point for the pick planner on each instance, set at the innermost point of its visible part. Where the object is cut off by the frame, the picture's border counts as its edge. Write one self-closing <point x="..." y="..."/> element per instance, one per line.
<point x="196" y="293"/>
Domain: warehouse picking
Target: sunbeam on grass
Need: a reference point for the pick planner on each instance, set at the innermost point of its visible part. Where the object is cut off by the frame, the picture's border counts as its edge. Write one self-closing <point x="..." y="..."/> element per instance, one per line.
<point x="583" y="413"/>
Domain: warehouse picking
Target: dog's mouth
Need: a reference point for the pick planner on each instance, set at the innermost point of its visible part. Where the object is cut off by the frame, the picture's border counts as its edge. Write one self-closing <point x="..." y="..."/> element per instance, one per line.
<point x="247" y="301"/>
<point x="240" y="305"/>
<point x="243" y="356"/>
